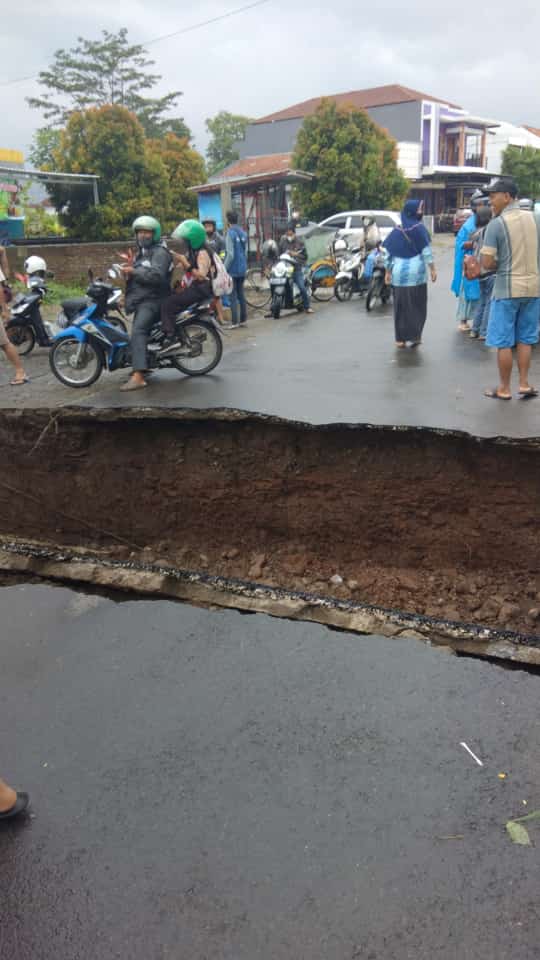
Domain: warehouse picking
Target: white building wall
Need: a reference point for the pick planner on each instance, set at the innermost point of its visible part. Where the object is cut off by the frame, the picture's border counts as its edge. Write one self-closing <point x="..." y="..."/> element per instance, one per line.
<point x="410" y="159"/>
<point x="507" y="134"/>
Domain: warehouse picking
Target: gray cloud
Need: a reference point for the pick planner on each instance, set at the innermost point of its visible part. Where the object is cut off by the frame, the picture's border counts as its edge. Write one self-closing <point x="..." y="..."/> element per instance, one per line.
<point x="282" y="52"/>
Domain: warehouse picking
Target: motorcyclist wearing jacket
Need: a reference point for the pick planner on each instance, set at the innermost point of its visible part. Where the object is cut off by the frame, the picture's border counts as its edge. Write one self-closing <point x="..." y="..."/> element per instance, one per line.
<point x="296" y="247"/>
<point x="148" y="282"/>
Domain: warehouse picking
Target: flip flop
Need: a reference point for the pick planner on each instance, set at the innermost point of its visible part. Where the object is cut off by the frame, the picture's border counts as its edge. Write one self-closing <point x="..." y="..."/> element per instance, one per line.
<point x="19" y="383"/>
<point x="528" y="394"/>
<point x="132" y="386"/>
<point x="18" y="807"/>
<point x="493" y="394"/>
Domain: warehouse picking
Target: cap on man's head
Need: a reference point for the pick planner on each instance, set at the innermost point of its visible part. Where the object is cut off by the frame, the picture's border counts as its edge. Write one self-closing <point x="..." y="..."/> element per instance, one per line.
<point x="502" y="185"/>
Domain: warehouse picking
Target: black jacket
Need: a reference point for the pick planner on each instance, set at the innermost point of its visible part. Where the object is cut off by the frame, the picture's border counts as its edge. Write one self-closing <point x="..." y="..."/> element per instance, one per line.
<point x="151" y="278"/>
<point x="296" y="247"/>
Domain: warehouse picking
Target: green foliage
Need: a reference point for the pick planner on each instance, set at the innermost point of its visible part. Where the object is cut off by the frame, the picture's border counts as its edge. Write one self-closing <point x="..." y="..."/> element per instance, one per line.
<point x="523" y="163"/>
<point x="45" y="141"/>
<point x="354" y="162"/>
<point x="56" y="292"/>
<point x="107" y="71"/>
<point x="39" y="223"/>
<point x="109" y="142"/>
<point x="224" y="129"/>
<point x="185" y="168"/>
<point x="137" y="175"/>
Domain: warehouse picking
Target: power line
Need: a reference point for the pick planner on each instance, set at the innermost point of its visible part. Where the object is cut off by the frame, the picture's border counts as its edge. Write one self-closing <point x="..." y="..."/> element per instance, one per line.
<point x="166" y="36"/>
<point x="205" y="23"/>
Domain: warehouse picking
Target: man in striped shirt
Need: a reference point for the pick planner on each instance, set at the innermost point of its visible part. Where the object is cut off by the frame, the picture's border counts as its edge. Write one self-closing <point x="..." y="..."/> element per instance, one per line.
<point x="512" y="248"/>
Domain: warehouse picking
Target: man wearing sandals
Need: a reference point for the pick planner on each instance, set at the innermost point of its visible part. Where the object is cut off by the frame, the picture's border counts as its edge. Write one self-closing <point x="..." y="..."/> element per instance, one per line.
<point x="512" y="248"/>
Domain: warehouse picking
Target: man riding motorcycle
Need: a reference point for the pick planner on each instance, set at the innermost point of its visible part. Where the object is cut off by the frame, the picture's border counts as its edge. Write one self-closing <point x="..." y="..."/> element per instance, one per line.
<point x="148" y="283"/>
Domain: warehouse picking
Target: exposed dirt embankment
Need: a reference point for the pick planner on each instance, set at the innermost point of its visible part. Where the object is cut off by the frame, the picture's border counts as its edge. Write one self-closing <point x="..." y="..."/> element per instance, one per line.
<point x="424" y="522"/>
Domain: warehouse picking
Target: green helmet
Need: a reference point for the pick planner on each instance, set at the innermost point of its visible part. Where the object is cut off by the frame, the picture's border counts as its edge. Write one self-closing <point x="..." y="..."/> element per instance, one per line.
<point x="148" y="223"/>
<point x="192" y="231"/>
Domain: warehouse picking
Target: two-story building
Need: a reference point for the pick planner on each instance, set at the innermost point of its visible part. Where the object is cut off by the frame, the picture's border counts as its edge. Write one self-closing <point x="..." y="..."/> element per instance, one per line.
<point x="442" y="149"/>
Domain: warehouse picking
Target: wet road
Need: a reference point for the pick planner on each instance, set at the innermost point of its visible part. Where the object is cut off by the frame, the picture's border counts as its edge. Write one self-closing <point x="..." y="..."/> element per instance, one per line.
<point x="212" y="785"/>
<point x="339" y="365"/>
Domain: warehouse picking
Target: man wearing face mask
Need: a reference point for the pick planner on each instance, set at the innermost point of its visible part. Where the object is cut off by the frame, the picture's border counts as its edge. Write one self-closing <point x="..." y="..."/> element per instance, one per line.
<point x="148" y="282"/>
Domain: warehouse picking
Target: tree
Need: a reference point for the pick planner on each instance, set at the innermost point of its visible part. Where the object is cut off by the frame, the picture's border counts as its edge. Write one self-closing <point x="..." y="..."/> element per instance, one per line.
<point x="185" y="168"/>
<point x="225" y="128"/>
<point x="108" y="141"/>
<point x="353" y="159"/>
<point x="45" y="142"/>
<point x="100" y="72"/>
<point x="523" y="163"/>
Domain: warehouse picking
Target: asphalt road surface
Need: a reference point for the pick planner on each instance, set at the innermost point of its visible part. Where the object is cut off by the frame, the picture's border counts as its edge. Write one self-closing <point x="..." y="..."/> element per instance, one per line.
<point x="337" y="365"/>
<point x="215" y="786"/>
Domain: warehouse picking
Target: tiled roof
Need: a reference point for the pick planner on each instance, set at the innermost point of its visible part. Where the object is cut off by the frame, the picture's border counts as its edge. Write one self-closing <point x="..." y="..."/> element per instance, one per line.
<point x="255" y="166"/>
<point x="374" y="97"/>
<point x="535" y="130"/>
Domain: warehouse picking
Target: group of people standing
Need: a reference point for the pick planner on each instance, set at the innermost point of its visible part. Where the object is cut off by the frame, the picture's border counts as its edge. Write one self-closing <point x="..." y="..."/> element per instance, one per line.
<point x="496" y="279"/>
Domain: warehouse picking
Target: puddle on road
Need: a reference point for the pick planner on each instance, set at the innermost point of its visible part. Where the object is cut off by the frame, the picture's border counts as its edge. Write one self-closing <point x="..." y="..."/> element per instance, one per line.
<point x="374" y="529"/>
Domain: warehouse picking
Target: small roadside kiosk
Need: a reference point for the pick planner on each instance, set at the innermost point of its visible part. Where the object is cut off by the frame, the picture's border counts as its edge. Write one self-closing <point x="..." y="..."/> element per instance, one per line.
<point x="259" y="189"/>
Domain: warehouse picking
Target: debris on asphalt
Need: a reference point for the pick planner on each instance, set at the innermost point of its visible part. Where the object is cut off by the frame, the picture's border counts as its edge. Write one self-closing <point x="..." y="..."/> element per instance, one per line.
<point x="473" y="755"/>
<point x="517" y="832"/>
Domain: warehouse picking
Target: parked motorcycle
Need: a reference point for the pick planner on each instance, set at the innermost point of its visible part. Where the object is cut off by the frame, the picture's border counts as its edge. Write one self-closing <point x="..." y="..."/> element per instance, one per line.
<point x="91" y="344"/>
<point x="285" y="293"/>
<point x="26" y="325"/>
<point x="351" y="278"/>
<point x="379" y="291"/>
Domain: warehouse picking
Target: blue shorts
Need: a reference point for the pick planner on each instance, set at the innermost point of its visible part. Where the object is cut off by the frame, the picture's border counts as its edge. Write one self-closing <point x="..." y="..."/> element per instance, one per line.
<point x="513" y="321"/>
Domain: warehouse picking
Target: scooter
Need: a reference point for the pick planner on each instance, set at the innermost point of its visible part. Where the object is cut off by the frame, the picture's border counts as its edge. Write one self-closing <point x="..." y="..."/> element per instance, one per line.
<point x="285" y="293"/>
<point x="379" y="291"/>
<point x="26" y="325"/>
<point x="90" y="344"/>
<point x="350" y="278"/>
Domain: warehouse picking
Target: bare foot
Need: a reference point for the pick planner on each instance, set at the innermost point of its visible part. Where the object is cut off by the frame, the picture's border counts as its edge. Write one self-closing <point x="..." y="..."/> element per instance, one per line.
<point x="400" y="344"/>
<point x="8" y="797"/>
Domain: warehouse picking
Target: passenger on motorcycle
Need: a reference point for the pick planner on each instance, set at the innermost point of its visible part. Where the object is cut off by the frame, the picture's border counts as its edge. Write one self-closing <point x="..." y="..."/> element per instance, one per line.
<point x="148" y="282"/>
<point x="296" y="247"/>
<point x="217" y="244"/>
<point x="198" y="265"/>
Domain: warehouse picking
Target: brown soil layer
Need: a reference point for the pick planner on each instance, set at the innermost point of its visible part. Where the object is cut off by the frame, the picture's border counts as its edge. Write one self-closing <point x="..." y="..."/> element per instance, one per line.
<point x="425" y="522"/>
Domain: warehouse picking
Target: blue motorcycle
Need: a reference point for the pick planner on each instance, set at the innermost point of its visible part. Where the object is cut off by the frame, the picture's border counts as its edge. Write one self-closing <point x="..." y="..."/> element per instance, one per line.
<point x="90" y="343"/>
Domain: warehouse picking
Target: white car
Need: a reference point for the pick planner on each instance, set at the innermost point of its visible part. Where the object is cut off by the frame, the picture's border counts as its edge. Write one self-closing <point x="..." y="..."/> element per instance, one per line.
<point x="353" y="220"/>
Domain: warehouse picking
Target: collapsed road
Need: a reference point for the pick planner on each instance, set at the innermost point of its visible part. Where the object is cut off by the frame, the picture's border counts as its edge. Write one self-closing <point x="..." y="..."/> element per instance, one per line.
<point x="369" y="517"/>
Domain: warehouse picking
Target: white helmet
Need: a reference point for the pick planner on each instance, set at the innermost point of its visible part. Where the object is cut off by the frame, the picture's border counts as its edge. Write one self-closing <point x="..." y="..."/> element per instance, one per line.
<point x="340" y="245"/>
<point x="34" y="265"/>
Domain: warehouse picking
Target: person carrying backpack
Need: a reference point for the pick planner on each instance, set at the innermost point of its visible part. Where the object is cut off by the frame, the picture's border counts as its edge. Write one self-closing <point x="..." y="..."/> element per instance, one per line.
<point x="236" y="267"/>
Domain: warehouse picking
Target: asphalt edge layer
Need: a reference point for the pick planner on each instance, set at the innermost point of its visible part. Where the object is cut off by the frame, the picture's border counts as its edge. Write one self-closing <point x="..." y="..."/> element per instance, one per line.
<point x="54" y="415"/>
<point x="51" y="562"/>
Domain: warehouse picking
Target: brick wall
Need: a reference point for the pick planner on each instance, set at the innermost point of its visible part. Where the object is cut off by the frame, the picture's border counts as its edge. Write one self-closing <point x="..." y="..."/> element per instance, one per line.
<point x="70" y="261"/>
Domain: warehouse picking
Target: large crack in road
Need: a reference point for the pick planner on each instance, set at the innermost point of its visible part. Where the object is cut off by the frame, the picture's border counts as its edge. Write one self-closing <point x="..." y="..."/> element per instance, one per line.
<point x="441" y="526"/>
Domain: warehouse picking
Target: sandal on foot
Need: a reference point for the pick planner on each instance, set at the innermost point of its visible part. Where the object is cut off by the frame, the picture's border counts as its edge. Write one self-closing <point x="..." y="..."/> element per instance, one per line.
<point x="528" y="394"/>
<point x="131" y="385"/>
<point x="18" y="807"/>
<point x="19" y="383"/>
<point x="493" y="394"/>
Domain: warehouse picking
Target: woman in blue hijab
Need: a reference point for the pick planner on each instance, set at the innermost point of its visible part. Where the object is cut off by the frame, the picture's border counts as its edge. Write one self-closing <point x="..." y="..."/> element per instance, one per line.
<point x="408" y="256"/>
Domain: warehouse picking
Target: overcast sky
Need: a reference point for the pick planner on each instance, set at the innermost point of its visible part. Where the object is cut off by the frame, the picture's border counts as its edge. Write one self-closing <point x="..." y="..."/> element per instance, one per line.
<point x="279" y="53"/>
